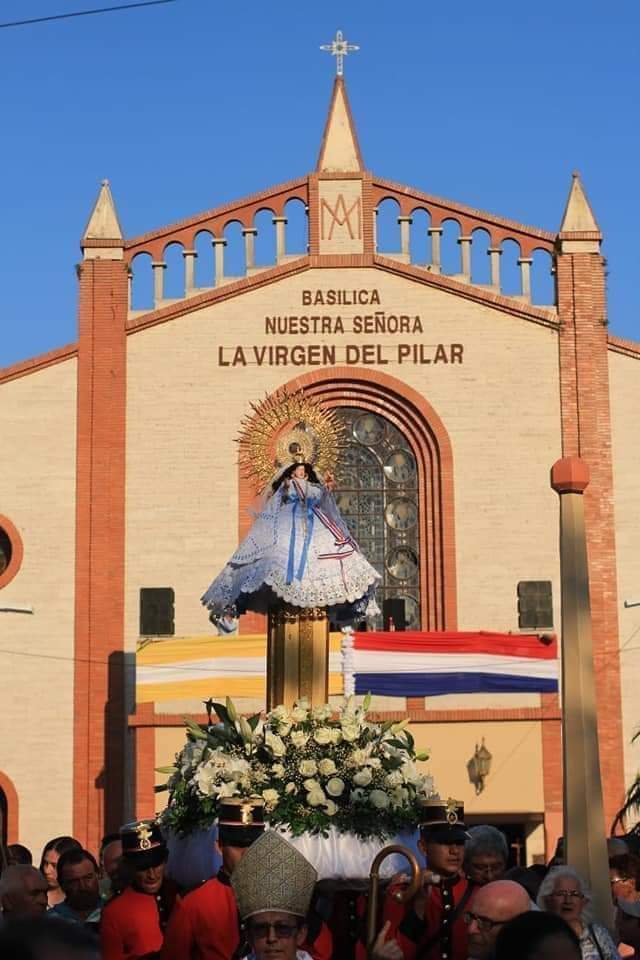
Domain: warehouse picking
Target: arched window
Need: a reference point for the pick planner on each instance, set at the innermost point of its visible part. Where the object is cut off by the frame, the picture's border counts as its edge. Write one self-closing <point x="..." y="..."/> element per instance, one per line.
<point x="4" y="818"/>
<point x="377" y="493"/>
<point x="6" y="550"/>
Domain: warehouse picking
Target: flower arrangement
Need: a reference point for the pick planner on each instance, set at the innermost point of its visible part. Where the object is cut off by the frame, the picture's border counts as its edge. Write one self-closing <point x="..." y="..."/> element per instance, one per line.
<point x="315" y="769"/>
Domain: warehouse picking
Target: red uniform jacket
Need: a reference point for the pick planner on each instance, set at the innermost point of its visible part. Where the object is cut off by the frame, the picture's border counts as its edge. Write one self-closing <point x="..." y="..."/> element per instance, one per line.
<point x="435" y="937"/>
<point x="131" y="926"/>
<point x="205" y="926"/>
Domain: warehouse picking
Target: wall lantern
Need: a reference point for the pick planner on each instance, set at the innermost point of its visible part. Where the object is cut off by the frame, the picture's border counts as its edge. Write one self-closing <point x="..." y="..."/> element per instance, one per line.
<point x="479" y="766"/>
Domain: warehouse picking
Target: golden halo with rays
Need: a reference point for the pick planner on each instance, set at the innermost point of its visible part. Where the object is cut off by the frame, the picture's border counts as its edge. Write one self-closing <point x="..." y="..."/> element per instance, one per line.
<point x="284" y="428"/>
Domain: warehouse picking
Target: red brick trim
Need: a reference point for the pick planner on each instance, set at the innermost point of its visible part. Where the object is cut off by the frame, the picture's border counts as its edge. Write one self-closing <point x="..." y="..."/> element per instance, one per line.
<point x="340" y="175"/>
<point x="217" y="295"/>
<point x="630" y="348"/>
<point x="410" y="199"/>
<point x="507" y="714"/>
<point x="338" y="84"/>
<point x="13" y="808"/>
<point x="99" y="721"/>
<point x="586" y="433"/>
<point x="17" y="550"/>
<point x="546" y="316"/>
<point x="145" y="747"/>
<point x="34" y="364"/>
<point x="100" y="244"/>
<point x="214" y="220"/>
<point x="415" y="417"/>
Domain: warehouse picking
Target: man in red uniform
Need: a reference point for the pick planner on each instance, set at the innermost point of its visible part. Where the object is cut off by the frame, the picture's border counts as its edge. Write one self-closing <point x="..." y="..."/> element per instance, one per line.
<point x="432" y="926"/>
<point x="133" y="922"/>
<point x="205" y="923"/>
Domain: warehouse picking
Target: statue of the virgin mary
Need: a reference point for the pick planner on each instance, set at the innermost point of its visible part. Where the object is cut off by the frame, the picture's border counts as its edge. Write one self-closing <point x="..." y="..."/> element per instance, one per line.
<point x="299" y="551"/>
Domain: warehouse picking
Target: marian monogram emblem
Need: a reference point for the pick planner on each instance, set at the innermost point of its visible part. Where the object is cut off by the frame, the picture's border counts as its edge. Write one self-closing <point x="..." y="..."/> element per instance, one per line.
<point x="144" y="836"/>
<point x="342" y="216"/>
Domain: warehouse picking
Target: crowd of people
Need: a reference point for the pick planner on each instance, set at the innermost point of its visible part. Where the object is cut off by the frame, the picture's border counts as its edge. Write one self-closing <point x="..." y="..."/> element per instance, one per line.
<point x="265" y="903"/>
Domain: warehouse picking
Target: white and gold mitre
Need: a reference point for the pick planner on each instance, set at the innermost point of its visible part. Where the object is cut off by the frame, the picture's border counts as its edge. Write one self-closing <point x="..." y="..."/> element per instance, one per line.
<point x="273" y="875"/>
<point x="287" y="428"/>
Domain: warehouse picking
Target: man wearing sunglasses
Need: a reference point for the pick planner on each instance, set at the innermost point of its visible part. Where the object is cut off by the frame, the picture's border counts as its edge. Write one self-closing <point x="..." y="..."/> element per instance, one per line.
<point x="492" y="905"/>
<point x="273" y="884"/>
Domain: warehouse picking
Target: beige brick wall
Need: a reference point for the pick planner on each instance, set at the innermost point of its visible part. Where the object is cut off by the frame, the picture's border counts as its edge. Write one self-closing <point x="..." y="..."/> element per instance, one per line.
<point x="624" y="379"/>
<point x="37" y="491"/>
<point x="500" y="407"/>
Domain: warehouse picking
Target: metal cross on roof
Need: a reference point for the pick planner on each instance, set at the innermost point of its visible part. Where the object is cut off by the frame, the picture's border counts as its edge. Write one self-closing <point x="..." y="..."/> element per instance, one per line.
<point x="339" y="48"/>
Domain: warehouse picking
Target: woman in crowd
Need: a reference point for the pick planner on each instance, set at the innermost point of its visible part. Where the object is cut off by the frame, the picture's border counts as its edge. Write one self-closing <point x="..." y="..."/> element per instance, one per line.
<point x="564" y="892"/>
<point x="485" y="854"/>
<point x="49" y="865"/>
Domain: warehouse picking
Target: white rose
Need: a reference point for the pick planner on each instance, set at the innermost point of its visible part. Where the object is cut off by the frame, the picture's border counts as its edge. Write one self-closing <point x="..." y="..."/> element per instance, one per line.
<point x="308" y="768"/>
<point x="335" y="787"/>
<point x="322" y="736"/>
<point x="278" y="771"/>
<point x="316" y="798"/>
<point x="275" y="744"/>
<point x="298" y="714"/>
<point x="290" y="787"/>
<point x="326" y="766"/>
<point x="363" y="777"/>
<point x="335" y="734"/>
<point x="379" y="799"/>
<point x="311" y="785"/>
<point x="350" y="731"/>
<point x="357" y="794"/>
<point x="270" y="798"/>
<point x="284" y="727"/>
<point x="331" y="808"/>
<point x="279" y="713"/>
<point x="374" y="762"/>
<point x="360" y="757"/>
<point x="299" y="738"/>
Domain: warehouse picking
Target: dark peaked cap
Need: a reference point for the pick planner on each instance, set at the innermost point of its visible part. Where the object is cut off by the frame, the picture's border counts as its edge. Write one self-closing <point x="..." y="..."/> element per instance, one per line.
<point x="273" y="875"/>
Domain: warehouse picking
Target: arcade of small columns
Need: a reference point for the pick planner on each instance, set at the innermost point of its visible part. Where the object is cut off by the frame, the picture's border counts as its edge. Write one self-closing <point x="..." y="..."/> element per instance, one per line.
<point x="275" y="201"/>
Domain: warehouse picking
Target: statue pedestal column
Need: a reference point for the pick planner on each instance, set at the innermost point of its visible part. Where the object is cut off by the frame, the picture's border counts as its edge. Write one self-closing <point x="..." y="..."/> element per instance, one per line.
<point x="584" y="825"/>
<point x="297" y="656"/>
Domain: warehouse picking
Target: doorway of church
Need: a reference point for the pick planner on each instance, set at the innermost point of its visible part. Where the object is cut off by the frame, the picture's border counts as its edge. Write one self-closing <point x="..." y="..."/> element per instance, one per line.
<point x="523" y="834"/>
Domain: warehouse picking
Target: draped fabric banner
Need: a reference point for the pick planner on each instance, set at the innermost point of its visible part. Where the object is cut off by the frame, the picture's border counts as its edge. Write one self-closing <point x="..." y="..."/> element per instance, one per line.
<point x="395" y="664"/>
<point x="416" y="664"/>
<point x="198" y="667"/>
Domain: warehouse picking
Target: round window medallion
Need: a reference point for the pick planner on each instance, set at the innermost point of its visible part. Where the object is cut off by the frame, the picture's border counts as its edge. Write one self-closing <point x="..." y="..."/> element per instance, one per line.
<point x="10" y="551"/>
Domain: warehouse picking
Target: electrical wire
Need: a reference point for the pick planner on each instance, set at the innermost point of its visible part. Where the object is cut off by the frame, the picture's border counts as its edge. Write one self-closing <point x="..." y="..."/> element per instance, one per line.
<point x="85" y="13"/>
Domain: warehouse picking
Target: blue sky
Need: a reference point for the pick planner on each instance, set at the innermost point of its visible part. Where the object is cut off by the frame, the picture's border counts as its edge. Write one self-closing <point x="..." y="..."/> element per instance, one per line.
<point x="195" y="103"/>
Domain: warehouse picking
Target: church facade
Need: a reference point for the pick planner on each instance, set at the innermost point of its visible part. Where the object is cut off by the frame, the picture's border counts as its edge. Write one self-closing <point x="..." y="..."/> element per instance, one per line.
<point x="120" y="494"/>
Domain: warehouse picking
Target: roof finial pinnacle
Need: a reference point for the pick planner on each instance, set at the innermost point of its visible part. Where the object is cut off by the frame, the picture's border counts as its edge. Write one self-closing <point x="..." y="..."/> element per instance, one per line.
<point x="103" y="223"/>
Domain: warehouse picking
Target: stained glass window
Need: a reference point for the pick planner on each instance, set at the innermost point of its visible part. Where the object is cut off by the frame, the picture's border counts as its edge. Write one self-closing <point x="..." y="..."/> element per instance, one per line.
<point x="377" y="493"/>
